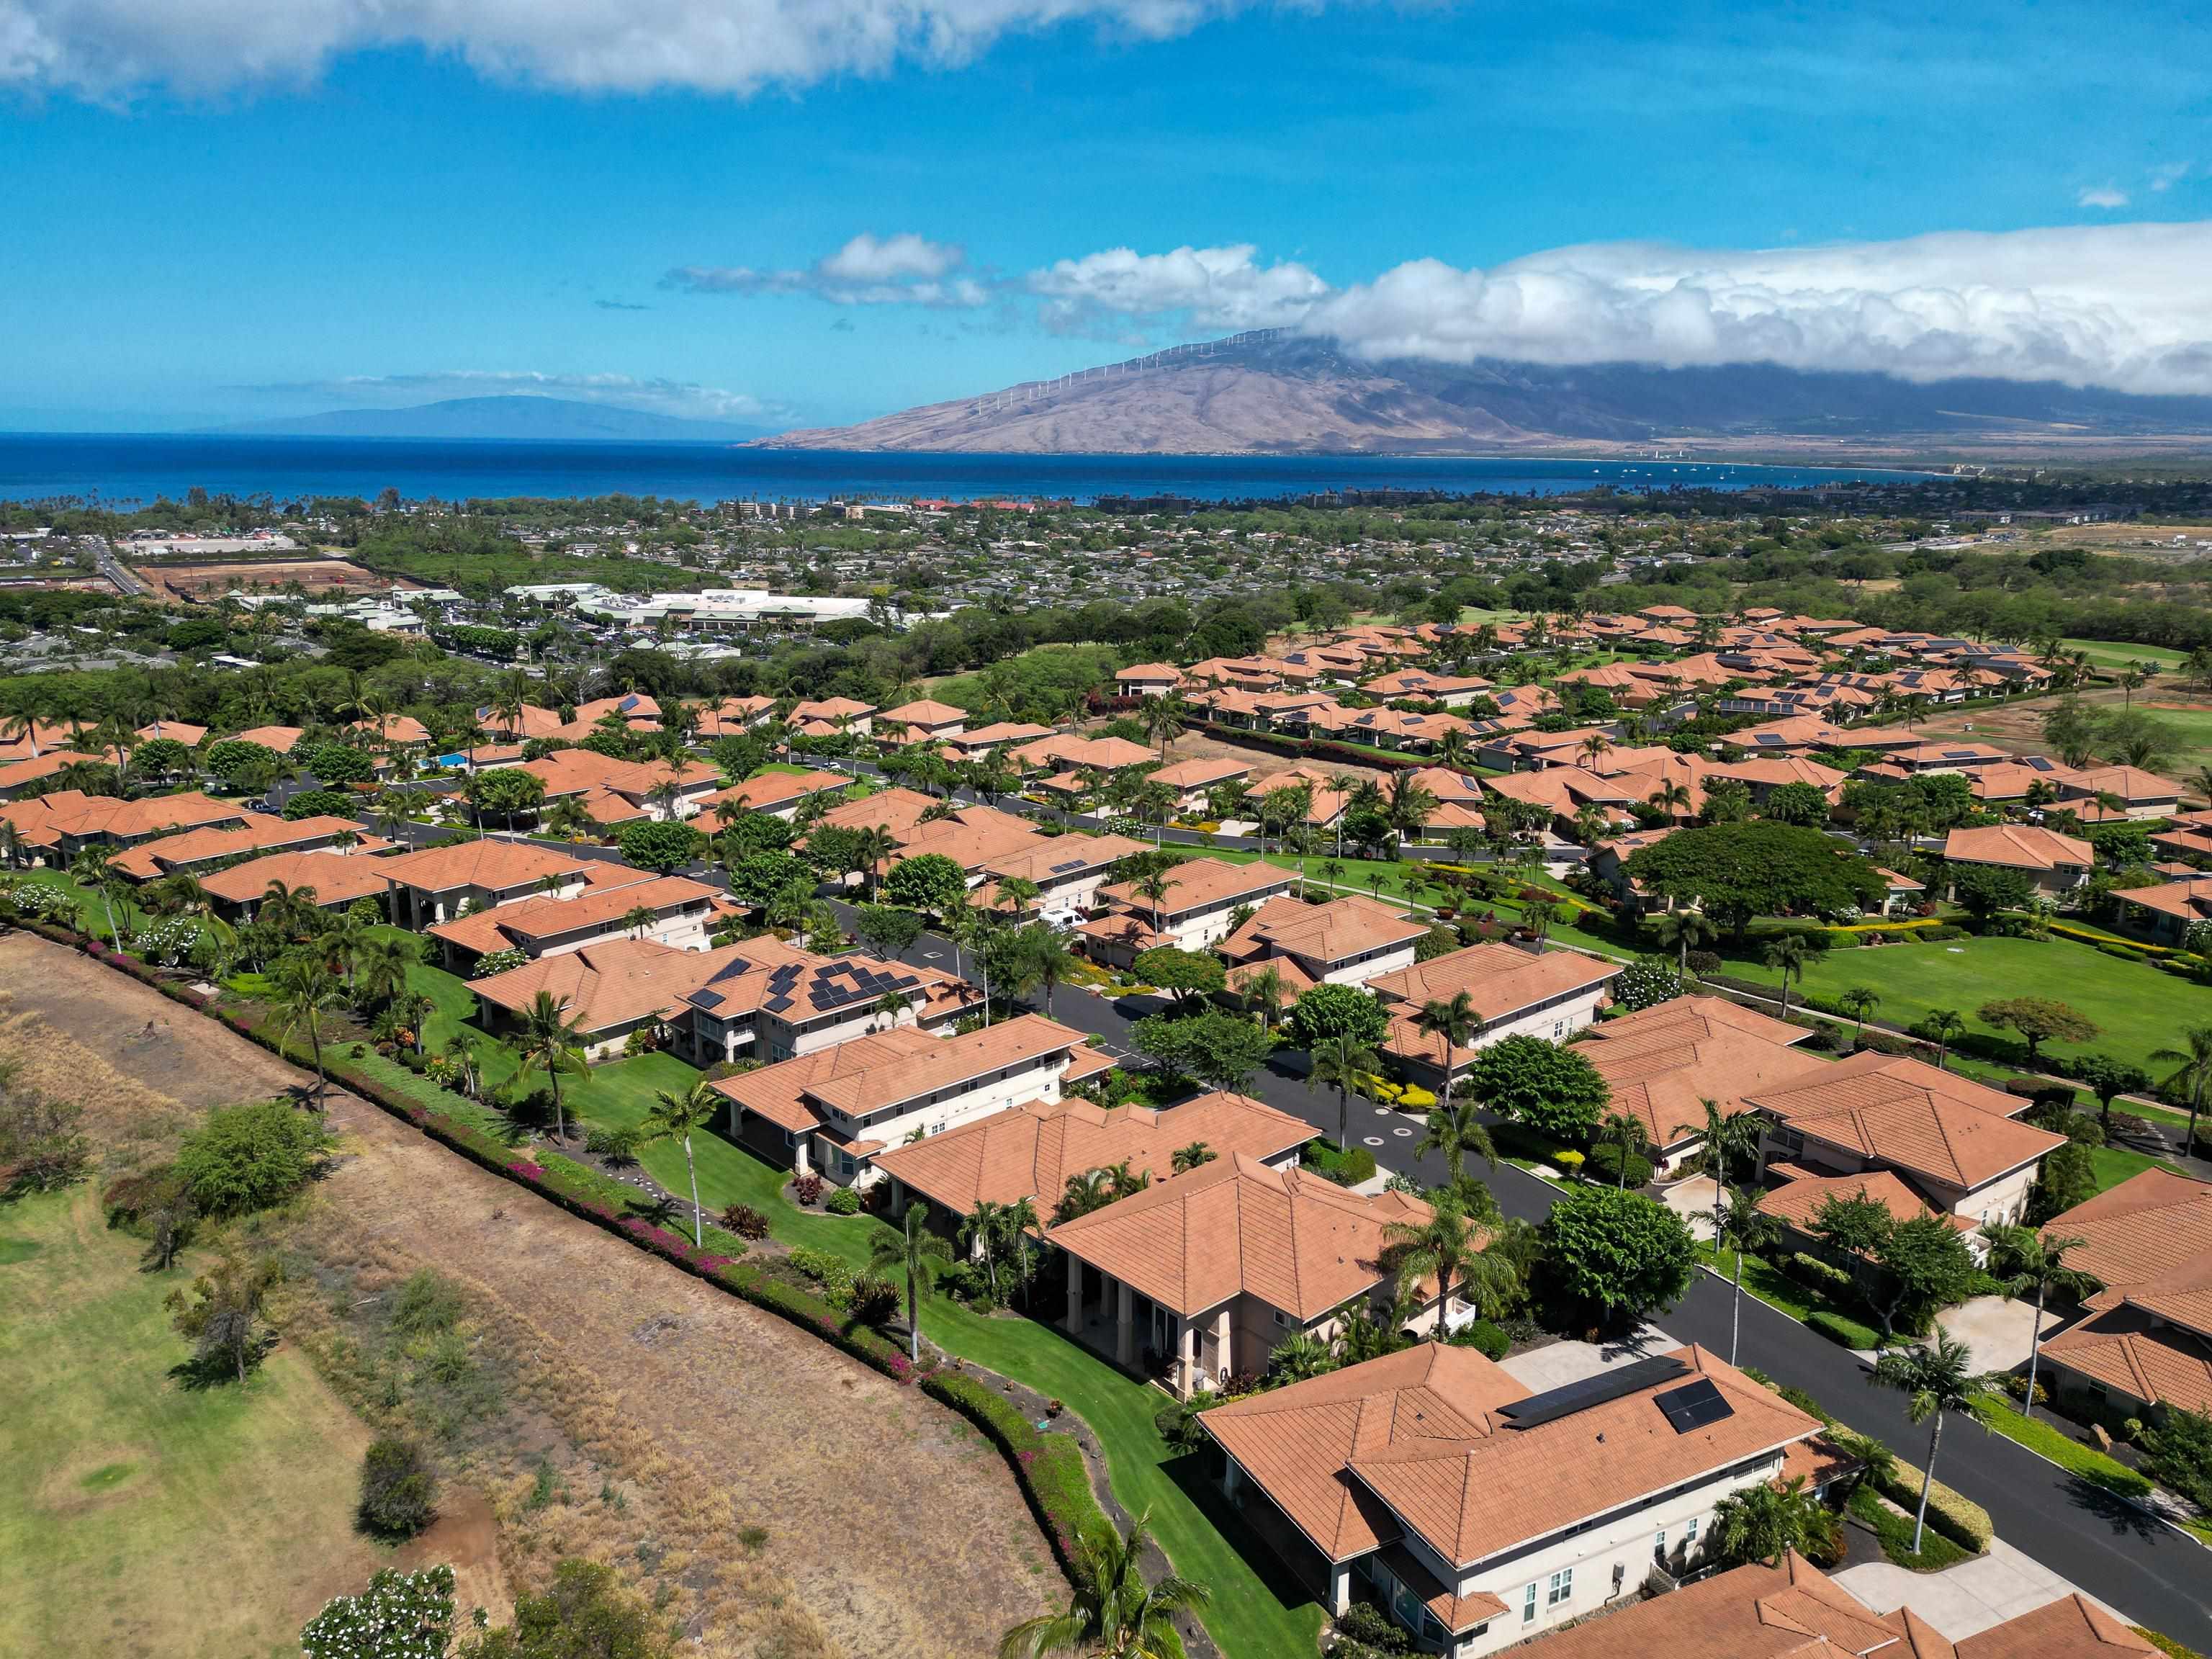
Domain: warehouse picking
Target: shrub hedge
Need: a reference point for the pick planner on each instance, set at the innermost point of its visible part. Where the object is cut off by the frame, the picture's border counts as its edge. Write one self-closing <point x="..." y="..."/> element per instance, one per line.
<point x="1048" y="1465"/>
<point x="1346" y="1169"/>
<point x="1838" y="1327"/>
<point x="1959" y="1519"/>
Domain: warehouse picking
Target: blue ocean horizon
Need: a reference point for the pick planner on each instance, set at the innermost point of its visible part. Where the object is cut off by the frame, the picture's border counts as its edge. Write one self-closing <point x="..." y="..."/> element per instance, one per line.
<point x="125" y="469"/>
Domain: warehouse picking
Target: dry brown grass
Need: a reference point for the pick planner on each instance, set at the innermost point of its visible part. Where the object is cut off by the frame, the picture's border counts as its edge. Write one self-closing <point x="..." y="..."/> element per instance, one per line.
<point x="178" y="584"/>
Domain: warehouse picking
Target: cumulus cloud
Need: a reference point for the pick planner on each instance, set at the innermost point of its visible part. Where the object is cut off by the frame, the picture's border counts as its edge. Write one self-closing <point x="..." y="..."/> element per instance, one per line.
<point x="112" y="48"/>
<point x="1212" y="287"/>
<point x="683" y="399"/>
<point x="2102" y="196"/>
<point x="2123" y="306"/>
<point x="868" y="270"/>
<point x="2166" y="178"/>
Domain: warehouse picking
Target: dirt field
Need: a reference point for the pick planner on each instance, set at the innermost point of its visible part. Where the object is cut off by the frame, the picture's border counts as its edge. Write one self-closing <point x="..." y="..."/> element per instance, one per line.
<point x="888" y="1525"/>
<point x="183" y="584"/>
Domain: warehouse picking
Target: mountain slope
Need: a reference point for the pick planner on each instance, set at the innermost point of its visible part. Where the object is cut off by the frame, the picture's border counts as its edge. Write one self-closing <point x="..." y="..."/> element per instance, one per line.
<point x="1270" y="393"/>
<point x="546" y="420"/>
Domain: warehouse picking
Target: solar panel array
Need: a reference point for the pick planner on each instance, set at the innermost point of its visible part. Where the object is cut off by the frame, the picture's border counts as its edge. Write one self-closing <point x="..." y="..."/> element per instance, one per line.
<point x="1609" y="1384"/>
<point x="1693" y="1405"/>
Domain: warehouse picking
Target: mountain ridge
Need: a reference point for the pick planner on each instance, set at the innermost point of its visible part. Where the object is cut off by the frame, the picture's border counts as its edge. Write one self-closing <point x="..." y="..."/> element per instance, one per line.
<point x="514" y="416"/>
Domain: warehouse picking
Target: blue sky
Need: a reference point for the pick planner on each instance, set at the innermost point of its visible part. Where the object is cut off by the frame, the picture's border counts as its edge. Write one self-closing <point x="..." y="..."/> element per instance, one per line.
<point x="385" y="221"/>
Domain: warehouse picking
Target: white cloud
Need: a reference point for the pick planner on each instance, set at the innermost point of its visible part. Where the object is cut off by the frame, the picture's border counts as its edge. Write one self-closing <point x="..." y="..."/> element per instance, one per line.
<point x="1213" y="288"/>
<point x="111" y="48"/>
<point x="868" y="270"/>
<point x="2102" y="196"/>
<point x="662" y="397"/>
<point x="2166" y="178"/>
<point x="2118" y="305"/>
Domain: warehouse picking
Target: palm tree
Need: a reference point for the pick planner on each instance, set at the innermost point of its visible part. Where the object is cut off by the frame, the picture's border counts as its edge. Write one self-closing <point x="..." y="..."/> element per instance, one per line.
<point x="913" y="1251"/>
<point x="1409" y="808"/>
<point x="1092" y="1189"/>
<point x="1671" y="798"/>
<point x="983" y="1231"/>
<point x="1946" y="1026"/>
<point x="678" y="1117"/>
<point x="1445" y="1246"/>
<point x="2192" y="1075"/>
<point x="1625" y="1134"/>
<point x="91" y="871"/>
<point x="638" y="918"/>
<point x="1788" y="955"/>
<point x="1163" y="718"/>
<point x="1743" y="1229"/>
<point x="1018" y="894"/>
<point x="1264" y="992"/>
<point x="305" y="991"/>
<point x="1934" y="1380"/>
<point x="553" y="1043"/>
<point x="1762" y="1522"/>
<point x="1113" y="1614"/>
<point x="889" y="1005"/>
<point x="2030" y="1261"/>
<point x="1190" y="1157"/>
<point x="1343" y="1063"/>
<point x="1858" y="1002"/>
<point x="380" y="965"/>
<point x="873" y="847"/>
<point x="1728" y="1139"/>
<point x="1685" y="931"/>
<point x="1453" y="1130"/>
<point x="1455" y="1022"/>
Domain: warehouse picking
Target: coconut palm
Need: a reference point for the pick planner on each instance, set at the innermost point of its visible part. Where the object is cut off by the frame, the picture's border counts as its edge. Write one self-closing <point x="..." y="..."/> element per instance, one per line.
<point x="1625" y="1134"/>
<point x="1345" y="1064"/>
<point x="1455" y="1022"/>
<point x="1740" y="1227"/>
<point x="380" y="965"/>
<point x="91" y="872"/>
<point x="1112" y="1612"/>
<point x="1934" y="1379"/>
<point x="1729" y="1139"/>
<point x="307" y="989"/>
<point x="1092" y="1189"/>
<point x="1454" y="1129"/>
<point x="1946" y="1026"/>
<point x="1447" y="1246"/>
<point x="1788" y="955"/>
<point x="1018" y="894"/>
<point x="1190" y="1157"/>
<point x="1408" y="808"/>
<point x="1763" y="1520"/>
<point x="677" y="1118"/>
<point x="551" y="1042"/>
<point x="983" y="1231"/>
<point x="638" y="918"/>
<point x="1163" y="718"/>
<point x="913" y="1251"/>
<point x="2191" y="1076"/>
<point x="1858" y="1002"/>
<point x="2026" y="1260"/>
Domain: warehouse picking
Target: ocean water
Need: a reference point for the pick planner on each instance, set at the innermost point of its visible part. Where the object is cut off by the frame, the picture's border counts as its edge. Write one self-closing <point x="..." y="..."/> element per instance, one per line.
<point x="129" y="469"/>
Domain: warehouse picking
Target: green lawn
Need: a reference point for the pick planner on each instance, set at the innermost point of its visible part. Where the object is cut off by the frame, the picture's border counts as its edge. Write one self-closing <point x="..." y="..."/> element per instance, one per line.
<point x="2117" y="654"/>
<point x="2137" y="1008"/>
<point x="2040" y="1437"/>
<point x="127" y="911"/>
<point x="2118" y="1163"/>
<point x="1248" y="1616"/>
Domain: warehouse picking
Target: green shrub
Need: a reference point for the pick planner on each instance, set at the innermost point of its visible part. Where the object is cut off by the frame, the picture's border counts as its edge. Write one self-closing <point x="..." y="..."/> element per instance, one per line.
<point x="1484" y="1337"/>
<point x="1959" y="1519"/>
<point x="2166" y="1644"/>
<point x="1346" y="1168"/>
<point x="1048" y="1465"/>
<point x="1895" y="1532"/>
<point x="398" y="1494"/>
<point x="842" y="1202"/>
<point x="248" y="1157"/>
<point x="745" y="1221"/>
<point x="1605" y="1165"/>
<point x="1821" y="1275"/>
<point x="1839" y="1328"/>
<point x="832" y="1273"/>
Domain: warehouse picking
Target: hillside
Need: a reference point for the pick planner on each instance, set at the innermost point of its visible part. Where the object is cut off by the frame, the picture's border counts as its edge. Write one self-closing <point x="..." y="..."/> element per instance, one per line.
<point x="1270" y="393"/>
<point x="525" y="418"/>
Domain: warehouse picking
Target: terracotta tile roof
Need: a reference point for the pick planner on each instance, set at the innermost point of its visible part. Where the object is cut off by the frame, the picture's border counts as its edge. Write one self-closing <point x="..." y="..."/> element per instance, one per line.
<point x="2018" y="846"/>
<point x="260" y="833"/>
<point x="1665" y="1062"/>
<point x="778" y="1092"/>
<point x="182" y="732"/>
<point x="1073" y="753"/>
<point x="278" y="738"/>
<point x="337" y="878"/>
<point x="1787" y="1611"/>
<point x="1500" y="979"/>
<point x="1296" y="1443"/>
<point x="2131" y="783"/>
<point x="1798" y="1201"/>
<point x="2134" y="1351"/>
<point x="1200" y="774"/>
<point x="596" y="906"/>
<point x="774" y="789"/>
<point x="830" y="708"/>
<point x="1294" y="980"/>
<point x="1905" y="1112"/>
<point x="1000" y="732"/>
<point x="1774" y="770"/>
<point x="534" y="722"/>
<point x="2072" y="1628"/>
<point x="922" y="711"/>
<point x="1204" y="884"/>
<point x="949" y="1063"/>
<point x="1473" y="1497"/>
<point x="577" y="771"/>
<point x="796" y="987"/>
<point x="45" y="820"/>
<point x="974" y="836"/>
<point x="1151" y="672"/>
<point x="15" y="774"/>
<point x="2136" y="1232"/>
<point x="1046" y="860"/>
<point x="635" y="706"/>
<point x="400" y="729"/>
<point x="1325" y="934"/>
<point x="489" y="863"/>
<point x="611" y="982"/>
<point x="897" y="809"/>
<point x="1293" y="1240"/>
<point x="1031" y="1150"/>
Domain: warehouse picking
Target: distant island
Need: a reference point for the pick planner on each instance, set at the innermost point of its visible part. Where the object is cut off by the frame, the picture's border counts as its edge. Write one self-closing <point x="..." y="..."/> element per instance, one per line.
<point x="1272" y="392"/>
<point x="516" y="417"/>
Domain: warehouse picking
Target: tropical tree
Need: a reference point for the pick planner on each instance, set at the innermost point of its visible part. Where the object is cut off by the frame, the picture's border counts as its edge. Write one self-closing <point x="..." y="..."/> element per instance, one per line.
<point x="677" y="1118"/>
<point x="1743" y="1229"/>
<point x="911" y="1250"/>
<point x="1762" y="1522"/>
<point x="2026" y="1260"/>
<point x="1788" y="955"/>
<point x="307" y="989"/>
<point x="1730" y="1140"/>
<point x="91" y="871"/>
<point x="1195" y="1155"/>
<point x="1454" y="1022"/>
<point x="1934" y="1380"/>
<point x="380" y="965"/>
<point x="1944" y="1026"/>
<point x="1114" y="1613"/>
<point x="1624" y="1133"/>
<point x="551" y="1042"/>
<point x="1344" y="1063"/>
<point x="1858" y="1002"/>
<point x="2192" y="1076"/>
<point x="1455" y="1130"/>
<point x="1446" y="1245"/>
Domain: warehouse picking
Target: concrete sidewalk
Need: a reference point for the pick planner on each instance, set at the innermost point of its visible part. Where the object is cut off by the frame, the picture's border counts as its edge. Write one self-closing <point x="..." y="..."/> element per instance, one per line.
<point x="1967" y="1599"/>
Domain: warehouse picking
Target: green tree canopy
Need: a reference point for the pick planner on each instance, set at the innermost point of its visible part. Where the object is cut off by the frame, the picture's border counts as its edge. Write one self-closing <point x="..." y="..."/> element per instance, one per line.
<point x="1546" y="1086"/>
<point x="250" y="1156"/>
<point x="1758" y="867"/>
<point x="1219" y="1050"/>
<point x="1189" y="974"/>
<point x="929" y="881"/>
<point x="1616" y="1256"/>
<point x="1328" y="1011"/>
<point x="660" y="845"/>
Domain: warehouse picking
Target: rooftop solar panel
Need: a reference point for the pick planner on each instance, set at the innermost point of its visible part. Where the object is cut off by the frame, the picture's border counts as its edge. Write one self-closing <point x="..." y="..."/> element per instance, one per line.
<point x="1072" y="863"/>
<point x="1693" y="1405"/>
<point x="710" y="1000"/>
<point x="1609" y="1384"/>
<point x="777" y="1004"/>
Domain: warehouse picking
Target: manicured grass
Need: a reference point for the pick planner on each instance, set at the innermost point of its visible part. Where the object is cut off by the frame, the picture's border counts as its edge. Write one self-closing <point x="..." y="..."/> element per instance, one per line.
<point x="137" y="1514"/>
<point x="2117" y="654"/>
<point x="2038" y="1436"/>
<point x="2137" y="1007"/>
<point x="1763" y="1279"/>
<point x="95" y="914"/>
<point x="1895" y="1532"/>
<point x="2116" y="1163"/>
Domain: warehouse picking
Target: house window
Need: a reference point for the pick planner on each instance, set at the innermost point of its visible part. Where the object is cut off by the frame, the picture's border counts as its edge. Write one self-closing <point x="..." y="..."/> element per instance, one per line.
<point x="1562" y="1588"/>
<point x="1528" y="1606"/>
<point x="1690" y="1534"/>
<point x="1659" y="1546"/>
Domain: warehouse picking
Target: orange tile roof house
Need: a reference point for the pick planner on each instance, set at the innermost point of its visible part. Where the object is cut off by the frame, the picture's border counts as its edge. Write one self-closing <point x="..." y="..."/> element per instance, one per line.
<point x="835" y="1106"/>
<point x="682" y="911"/>
<point x="2164" y="913"/>
<point x="337" y="879"/>
<point x="1665" y="1062"/>
<point x="1148" y="679"/>
<point x="987" y="740"/>
<point x="1192" y="779"/>
<point x="2143" y="794"/>
<point x="776" y="793"/>
<point x="586" y="772"/>
<point x="1195" y="908"/>
<point x="839" y="714"/>
<point x="766" y="1000"/>
<point x="2055" y="863"/>
<point x="56" y="827"/>
<point x="1068" y="870"/>
<point x="1209" y="1270"/>
<point x="1479" y="1514"/>
<point x="1065" y="752"/>
<point x="925" y="720"/>
<point x="1515" y="993"/>
<point x="193" y="850"/>
<point x="280" y="739"/>
<point x="432" y="885"/>
<point x="1954" y="1142"/>
<point x="1791" y="1610"/>
<point x="1032" y="1151"/>
<point x="2147" y="1340"/>
<point x="1346" y="941"/>
<point x="609" y="988"/>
